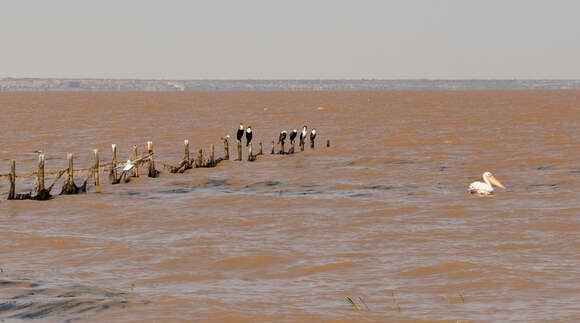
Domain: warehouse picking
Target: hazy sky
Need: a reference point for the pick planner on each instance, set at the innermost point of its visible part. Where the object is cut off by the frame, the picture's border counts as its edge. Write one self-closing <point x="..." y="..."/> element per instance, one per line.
<point x="290" y="39"/>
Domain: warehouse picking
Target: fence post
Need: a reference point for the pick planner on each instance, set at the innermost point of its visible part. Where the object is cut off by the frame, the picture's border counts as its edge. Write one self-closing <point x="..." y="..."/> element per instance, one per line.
<point x="239" y="150"/>
<point x="186" y="157"/>
<point x="199" y="161"/>
<point x="136" y="167"/>
<point x="211" y="156"/>
<point x="96" y="167"/>
<point x="114" y="163"/>
<point x="12" y="192"/>
<point x="40" y="175"/>
<point x="273" y="145"/>
<point x="226" y="150"/>
<point x="69" y="157"/>
<point x="152" y="170"/>
<point x="260" y="148"/>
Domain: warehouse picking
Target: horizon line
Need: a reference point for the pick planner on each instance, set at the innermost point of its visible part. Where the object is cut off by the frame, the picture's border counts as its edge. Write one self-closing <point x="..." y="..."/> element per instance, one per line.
<point x="290" y="79"/>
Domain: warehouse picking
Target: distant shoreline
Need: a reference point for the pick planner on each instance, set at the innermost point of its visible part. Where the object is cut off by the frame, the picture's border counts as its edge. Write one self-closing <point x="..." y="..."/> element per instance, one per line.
<point x="92" y="84"/>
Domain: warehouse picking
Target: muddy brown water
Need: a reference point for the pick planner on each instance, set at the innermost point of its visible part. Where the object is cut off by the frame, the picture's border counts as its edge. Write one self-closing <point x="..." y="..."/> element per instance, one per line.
<point x="382" y="216"/>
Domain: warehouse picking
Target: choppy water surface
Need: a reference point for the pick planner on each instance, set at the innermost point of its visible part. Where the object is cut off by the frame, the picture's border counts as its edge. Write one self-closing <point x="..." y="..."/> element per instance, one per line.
<point x="383" y="215"/>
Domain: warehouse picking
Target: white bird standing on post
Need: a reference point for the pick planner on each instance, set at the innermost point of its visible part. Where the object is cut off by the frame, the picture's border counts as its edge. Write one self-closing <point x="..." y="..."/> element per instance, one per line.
<point x="282" y="137"/>
<point x="485" y="188"/>
<point x="240" y="132"/>
<point x="303" y="134"/>
<point x="293" y="135"/>
<point x="248" y="135"/>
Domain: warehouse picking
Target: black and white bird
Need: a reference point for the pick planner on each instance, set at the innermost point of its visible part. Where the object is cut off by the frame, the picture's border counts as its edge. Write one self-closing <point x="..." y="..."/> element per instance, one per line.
<point x="225" y="138"/>
<point x="282" y="137"/>
<point x="303" y="134"/>
<point x="248" y="135"/>
<point x="293" y="136"/>
<point x="240" y="132"/>
<point x="312" y="135"/>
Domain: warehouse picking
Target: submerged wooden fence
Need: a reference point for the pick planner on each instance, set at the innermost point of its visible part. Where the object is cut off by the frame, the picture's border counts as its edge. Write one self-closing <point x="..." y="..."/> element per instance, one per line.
<point x="127" y="169"/>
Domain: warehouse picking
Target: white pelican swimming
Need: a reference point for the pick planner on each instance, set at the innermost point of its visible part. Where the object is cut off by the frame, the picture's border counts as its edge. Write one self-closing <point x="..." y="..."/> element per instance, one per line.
<point x="485" y="188"/>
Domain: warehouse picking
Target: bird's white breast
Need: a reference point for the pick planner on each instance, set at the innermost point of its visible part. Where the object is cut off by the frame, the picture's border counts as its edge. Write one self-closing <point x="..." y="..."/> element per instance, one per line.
<point x="479" y="187"/>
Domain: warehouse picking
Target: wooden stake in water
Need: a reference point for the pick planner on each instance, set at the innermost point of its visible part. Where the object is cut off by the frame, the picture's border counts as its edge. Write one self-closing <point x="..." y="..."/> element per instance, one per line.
<point x="12" y="192"/>
<point x="273" y="145"/>
<point x="302" y="145"/>
<point x="239" y="150"/>
<point x="226" y="150"/>
<point x="260" y="148"/>
<point x="199" y="161"/>
<point x="69" y="157"/>
<point x="250" y="152"/>
<point x="40" y="173"/>
<point x="114" y="163"/>
<point x="96" y="167"/>
<point x="152" y="170"/>
<point x="136" y="167"/>
<point x="327" y="142"/>
<point x="211" y="156"/>
<point x="282" y="151"/>
<point x="186" y="157"/>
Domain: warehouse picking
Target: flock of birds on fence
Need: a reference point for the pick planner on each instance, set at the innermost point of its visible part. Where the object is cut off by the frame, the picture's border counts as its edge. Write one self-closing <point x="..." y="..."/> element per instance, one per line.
<point x="281" y="138"/>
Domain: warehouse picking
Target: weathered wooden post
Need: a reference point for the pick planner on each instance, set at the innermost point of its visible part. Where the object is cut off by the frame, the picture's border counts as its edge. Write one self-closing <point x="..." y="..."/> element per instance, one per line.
<point x="136" y="167"/>
<point x="114" y="163"/>
<point x="41" y="193"/>
<point x="282" y="151"/>
<point x="239" y="150"/>
<point x="96" y="167"/>
<point x="69" y="157"/>
<point x="199" y="161"/>
<point x="40" y="174"/>
<point x="211" y="156"/>
<point x="12" y="192"/>
<point x="69" y="187"/>
<point x="273" y="145"/>
<point x="312" y="143"/>
<point x="291" y="150"/>
<point x="327" y="142"/>
<point x="250" y="152"/>
<point x="226" y="150"/>
<point x="260" y="148"/>
<point x="302" y="145"/>
<point x="152" y="170"/>
<point x="186" y="157"/>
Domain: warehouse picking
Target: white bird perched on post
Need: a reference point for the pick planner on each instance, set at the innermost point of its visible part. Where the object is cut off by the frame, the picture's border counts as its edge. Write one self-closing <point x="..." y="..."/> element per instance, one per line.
<point x="485" y="188"/>
<point x="312" y="135"/>
<point x="248" y="135"/>
<point x="293" y="135"/>
<point x="282" y="137"/>
<point x="240" y="132"/>
<point x="303" y="134"/>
